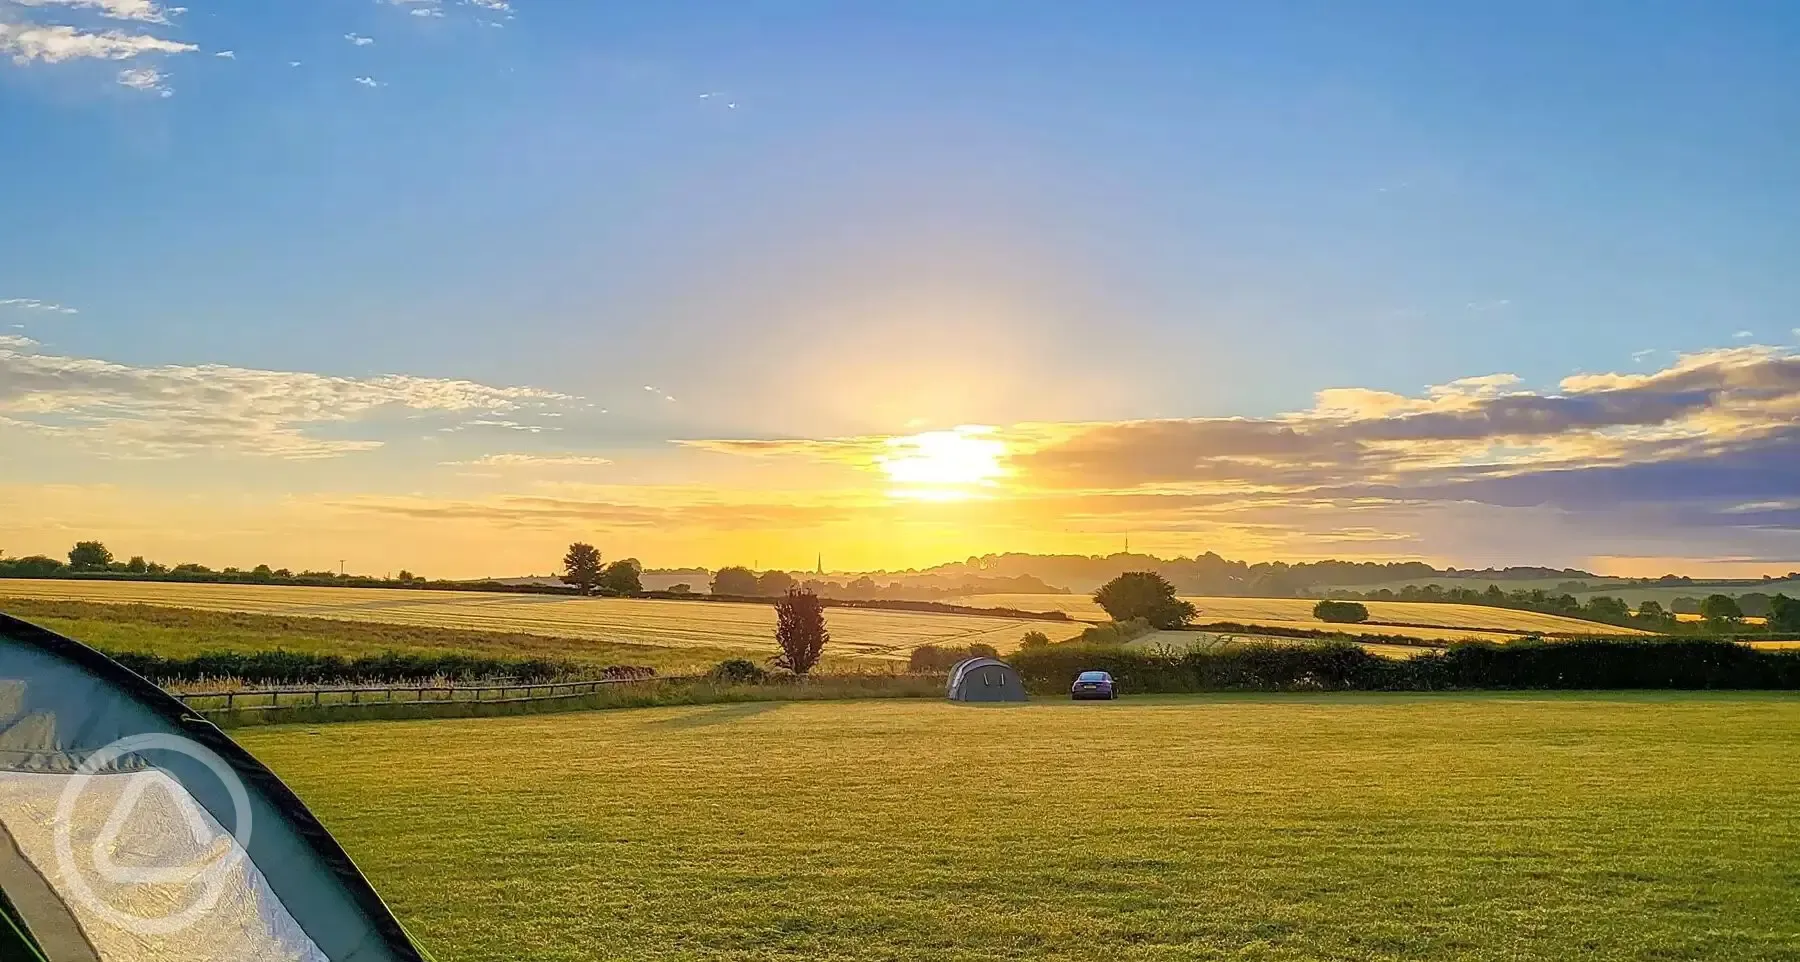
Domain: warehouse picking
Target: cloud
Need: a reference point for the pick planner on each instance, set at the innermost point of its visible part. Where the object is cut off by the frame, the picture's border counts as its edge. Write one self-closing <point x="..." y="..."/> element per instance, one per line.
<point x="148" y="79"/>
<point x="358" y="39"/>
<point x="367" y="81"/>
<point x="1744" y="335"/>
<point x="54" y="44"/>
<point x="145" y="11"/>
<point x="33" y="304"/>
<point x="1712" y="429"/>
<point x="227" y="54"/>
<point x="533" y="461"/>
<point x="176" y="410"/>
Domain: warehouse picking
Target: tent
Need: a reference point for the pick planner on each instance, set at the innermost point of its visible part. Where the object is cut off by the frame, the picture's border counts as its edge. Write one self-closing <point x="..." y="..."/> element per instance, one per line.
<point x="133" y="830"/>
<point x="985" y="679"/>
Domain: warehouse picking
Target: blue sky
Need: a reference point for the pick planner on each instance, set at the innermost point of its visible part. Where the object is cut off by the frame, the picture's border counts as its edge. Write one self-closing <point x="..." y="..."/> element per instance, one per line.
<point x="890" y="218"/>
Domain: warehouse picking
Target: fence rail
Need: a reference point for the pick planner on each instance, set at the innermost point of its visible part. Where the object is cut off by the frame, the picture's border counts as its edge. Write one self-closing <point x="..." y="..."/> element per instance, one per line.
<point x="268" y="699"/>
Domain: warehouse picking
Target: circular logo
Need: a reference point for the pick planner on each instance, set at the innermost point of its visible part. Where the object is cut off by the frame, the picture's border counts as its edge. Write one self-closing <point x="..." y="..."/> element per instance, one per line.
<point x="208" y="862"/>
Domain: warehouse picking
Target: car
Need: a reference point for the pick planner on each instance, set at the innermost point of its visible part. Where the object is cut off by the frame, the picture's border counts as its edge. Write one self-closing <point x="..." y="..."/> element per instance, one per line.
<point x="1093" y="684"/>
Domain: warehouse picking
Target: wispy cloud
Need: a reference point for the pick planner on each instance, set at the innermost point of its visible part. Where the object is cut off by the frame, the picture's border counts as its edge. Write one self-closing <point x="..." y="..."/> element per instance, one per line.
<point x="226" y="54"/>
<point x="367" y="81"/>
<point x="533" y="461"/>
<point x="33" y="304"/>
<point x="54" y="44"/>
<point x="178" y="410"/>
<point x="358" y="39"/>
<point x="147" y="79"/>
<point x="145" y="11"/>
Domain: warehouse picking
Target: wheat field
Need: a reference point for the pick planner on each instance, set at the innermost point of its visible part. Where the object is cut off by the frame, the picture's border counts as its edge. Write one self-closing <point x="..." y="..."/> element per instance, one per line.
<point x="1446" y="621"/>
<point x="634" y="621"/>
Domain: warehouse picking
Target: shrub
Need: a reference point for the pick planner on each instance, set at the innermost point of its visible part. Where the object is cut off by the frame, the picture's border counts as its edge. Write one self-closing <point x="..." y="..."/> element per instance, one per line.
<point x="931" y="658"/>
<point x="1146" y="595"/>
<point x="1033" y="639"/>
<point x="1114" y="633"/>
<point x="1341" y="612"/>
<point x="739" y="671"/>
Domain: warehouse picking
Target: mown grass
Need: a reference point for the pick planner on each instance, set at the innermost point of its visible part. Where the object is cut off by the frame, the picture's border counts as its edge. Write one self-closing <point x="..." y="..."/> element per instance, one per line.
<point x="1359" y="826"/>
<point x="186" y="632"/>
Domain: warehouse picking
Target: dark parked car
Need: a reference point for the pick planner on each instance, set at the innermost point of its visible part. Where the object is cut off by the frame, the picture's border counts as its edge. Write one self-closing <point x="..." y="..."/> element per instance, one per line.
<point x="1093" y="684"/>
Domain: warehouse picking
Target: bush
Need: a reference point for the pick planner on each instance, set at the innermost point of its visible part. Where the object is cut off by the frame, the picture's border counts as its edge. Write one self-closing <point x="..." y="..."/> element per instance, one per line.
<point x="1033" y="639"/>
<point x="934" y="658"/>
<point x="1341" y="612"/>
<point x="739" y="671"/>
<point x="1113" y="633"/>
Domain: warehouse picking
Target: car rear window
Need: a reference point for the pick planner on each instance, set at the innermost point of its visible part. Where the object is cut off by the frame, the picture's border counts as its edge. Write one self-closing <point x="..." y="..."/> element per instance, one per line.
<point x="1092" y="676"/>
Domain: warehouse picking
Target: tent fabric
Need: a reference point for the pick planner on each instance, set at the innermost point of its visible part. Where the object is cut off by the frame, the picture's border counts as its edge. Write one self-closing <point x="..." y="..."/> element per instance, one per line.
<point x="985" y="679"/>
<point x="141" y="822"/>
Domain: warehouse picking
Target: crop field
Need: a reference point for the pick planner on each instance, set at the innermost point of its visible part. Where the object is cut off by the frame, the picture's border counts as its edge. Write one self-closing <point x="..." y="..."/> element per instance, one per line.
<point x="1280" y="827"/>
<point x="1188" y="640"/>
<point x="1297" y="613"/>
<point x="705" y="625"/>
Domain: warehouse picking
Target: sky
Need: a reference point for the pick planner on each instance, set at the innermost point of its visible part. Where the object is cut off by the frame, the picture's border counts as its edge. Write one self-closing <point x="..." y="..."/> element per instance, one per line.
<point x="446" y="284"/>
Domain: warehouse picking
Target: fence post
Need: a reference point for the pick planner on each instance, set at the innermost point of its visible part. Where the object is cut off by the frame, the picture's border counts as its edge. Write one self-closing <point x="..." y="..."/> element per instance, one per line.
<point x="316" y="695"/>
<point x="229" y="697"/>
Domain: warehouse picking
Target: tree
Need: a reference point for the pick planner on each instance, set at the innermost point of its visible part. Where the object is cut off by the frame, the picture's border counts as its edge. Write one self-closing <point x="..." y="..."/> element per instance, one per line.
<point x="735" y="580"/>
<point x="624" y="577"/>
<point x="681" y="589"/>
<point x="1034" y="639"/>
<point x="774" y="584"/>
<point x="89" y="556"/>
<point x="1720" y="610"/>
<point x="1784" y="613"/>
<point x="1651" y="613"/>
<point x="1146" y="595"/>
<point x="262" y="573"/>
<point x="1341" y="612"/>
<point x="1606" y="608"/>
<point x="800" y="631"/>
<point x="406" y="577"/>
<point x="137" y="565"/>
<point x="582" y="566"/>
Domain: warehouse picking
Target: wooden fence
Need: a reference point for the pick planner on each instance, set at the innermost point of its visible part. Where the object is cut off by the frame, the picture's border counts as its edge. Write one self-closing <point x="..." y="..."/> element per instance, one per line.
<point x="267" y="699"/>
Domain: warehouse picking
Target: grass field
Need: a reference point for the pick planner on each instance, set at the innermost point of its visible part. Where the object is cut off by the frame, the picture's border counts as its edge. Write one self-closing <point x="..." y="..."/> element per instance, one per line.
<point x="185" y="632"/>
<point x="703" y="625"/>
<point x="1455" y="621"/>
<point x="1371" y="827"/>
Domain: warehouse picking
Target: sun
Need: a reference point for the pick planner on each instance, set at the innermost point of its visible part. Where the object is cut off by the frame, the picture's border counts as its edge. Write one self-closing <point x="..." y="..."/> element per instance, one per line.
<point x="943" y="465"/>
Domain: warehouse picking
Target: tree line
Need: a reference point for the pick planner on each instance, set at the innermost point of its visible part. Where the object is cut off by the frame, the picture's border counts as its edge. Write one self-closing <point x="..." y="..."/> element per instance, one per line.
<point x="95" y="558"/>
<point x="1719" y="612"/>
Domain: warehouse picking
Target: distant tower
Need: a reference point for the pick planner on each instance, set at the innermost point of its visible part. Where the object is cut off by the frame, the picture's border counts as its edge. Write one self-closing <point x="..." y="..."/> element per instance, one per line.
<point x="1128" y="544"/>
<point x="821" y="567"/>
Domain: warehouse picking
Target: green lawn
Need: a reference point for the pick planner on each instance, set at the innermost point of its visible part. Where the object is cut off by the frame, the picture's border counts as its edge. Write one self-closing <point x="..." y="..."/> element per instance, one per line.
<point x="1555" y="827"/>
<point x="186" y="632"/>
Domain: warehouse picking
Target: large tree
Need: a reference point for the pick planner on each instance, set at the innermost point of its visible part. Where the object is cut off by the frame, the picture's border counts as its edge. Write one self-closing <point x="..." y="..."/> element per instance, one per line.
<point x="1784" y="613"/>
<point x="734" y="581"/>
<point x="800" y="631"/>
<point x="581" y="565"/>
<point x="1146" y="595"/>
<point x="90" y="556"/>
<point x="774" y="584"/>
<point x="624" y="577"/>
<point x="1719" y="610"/>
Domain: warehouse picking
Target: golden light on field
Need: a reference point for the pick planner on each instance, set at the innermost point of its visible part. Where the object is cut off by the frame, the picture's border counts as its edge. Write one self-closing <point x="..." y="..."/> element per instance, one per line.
<point x="943" y="465"/>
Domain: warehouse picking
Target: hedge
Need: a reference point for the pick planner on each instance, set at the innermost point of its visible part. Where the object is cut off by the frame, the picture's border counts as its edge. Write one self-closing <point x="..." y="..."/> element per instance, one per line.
<point x="1341" y="666"/>
<point x="297" y="668"/>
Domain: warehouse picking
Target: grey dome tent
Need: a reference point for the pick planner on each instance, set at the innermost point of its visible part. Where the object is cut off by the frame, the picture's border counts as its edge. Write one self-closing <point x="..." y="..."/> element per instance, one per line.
<point x="985" y="679"/>
<point x="133" y="830"/>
